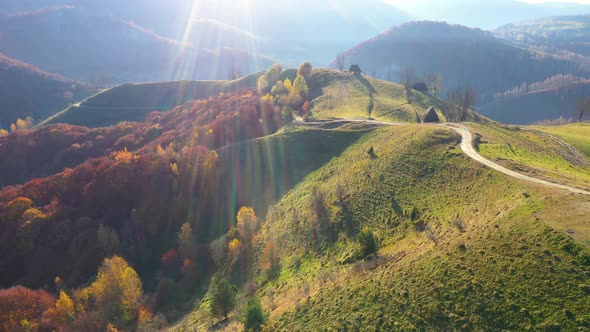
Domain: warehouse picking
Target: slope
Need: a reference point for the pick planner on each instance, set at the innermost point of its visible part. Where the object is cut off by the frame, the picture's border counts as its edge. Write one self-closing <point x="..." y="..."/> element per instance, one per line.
<point x="27" y="91"/>
<point x="133" y="102"/>
<point x="460" y="246"/>
<point x="343" y="95"/>
<point x="333" y="94"/>
<point x="435" y="263"/>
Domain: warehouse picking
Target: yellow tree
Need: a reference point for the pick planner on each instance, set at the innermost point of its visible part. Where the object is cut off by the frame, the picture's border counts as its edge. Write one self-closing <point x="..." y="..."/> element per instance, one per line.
<point x="300" y="86"/>
<point x="131" y="293"/>
<point x="235" y="249"/>
<point x="186" y="242"/>
<point x="116" y="290"/>
<point x="288" y="85"/>
<point x="247" y="223"/>
<point x="64" y="307"/>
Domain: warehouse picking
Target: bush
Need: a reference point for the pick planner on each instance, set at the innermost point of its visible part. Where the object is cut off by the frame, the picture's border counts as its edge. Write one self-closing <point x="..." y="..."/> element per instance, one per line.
<point x="223" y="298"/>
<point x="253" y="317"/>
<point x="368" y="243"/>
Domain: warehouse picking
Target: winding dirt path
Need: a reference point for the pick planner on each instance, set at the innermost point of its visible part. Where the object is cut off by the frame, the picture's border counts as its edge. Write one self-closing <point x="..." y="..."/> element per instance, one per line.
<point x="467" y="148"/>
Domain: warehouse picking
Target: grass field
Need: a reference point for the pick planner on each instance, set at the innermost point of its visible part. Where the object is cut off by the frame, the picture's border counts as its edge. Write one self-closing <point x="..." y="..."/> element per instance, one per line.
<point x="133" y="102"/>
<point x="578" y="135"/>
<point x="528" y="151"/>
<point x="343" y="95"/>
<point x="461" y="247"/>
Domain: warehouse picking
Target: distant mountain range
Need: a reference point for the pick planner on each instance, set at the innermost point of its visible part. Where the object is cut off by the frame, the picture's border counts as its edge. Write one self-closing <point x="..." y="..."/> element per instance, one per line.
<point x="106" y="50"/>
<point x="486" y="14"/>
<point x="108" y="42"/>
<point x="463" y="56"/>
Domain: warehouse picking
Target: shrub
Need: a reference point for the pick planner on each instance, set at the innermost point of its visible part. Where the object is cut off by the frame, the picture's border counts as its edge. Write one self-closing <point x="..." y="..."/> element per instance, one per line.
<point x="368" y="243"/>
<point x="223" y="298"/>
<point x="270" y="260"/>
<point x="253" y="317"/>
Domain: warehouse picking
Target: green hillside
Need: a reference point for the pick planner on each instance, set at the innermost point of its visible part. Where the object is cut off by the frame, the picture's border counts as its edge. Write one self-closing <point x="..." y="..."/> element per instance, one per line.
<point x="461" y="247"/>
<point x="361" y="226"/>
<point x="343" y="95"/>
<point x="535" y="151"/>
<point x="577" y="135"/>
<point x="133" y="102"/>
<point x="334" y="94"/>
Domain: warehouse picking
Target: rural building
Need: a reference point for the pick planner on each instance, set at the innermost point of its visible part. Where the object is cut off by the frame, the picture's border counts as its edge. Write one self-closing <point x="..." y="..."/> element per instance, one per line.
<point x="421" y="87"/>
<point x="431" y="116"/>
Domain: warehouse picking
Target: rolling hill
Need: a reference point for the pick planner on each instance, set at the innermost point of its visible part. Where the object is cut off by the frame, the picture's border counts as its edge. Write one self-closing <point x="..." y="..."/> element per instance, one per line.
<point x="133" y="102"/>
<point x="26" y="91"/>
<point x="455" y="244"/>
<point x="333" y="94"/>
<point x="462" y="56"/>
<point x="438" y="242"/>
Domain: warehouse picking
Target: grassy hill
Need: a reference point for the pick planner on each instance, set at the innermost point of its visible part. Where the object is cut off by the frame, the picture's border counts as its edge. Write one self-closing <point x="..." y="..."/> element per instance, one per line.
<point x="334" y="94"/>
<point x="343" y="95"/>
<point x="460" y="246"/>
<point x="133" y="102"/>
<point x="532" y="150"/>
<point x="575" y="134"/>
<point x="26" y="91"/>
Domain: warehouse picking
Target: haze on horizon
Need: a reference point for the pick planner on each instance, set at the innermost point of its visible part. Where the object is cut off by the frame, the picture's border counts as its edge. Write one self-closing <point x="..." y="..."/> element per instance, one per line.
<point x="497" y="13"/>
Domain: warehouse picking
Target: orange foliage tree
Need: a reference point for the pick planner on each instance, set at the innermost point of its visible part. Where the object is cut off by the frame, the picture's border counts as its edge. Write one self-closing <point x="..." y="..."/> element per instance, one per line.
<point x="20" y="305"/>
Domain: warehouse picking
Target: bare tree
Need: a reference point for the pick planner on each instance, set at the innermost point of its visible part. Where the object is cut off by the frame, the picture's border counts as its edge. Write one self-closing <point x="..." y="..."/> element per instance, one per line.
<point x="340" y="61"/>
<point x="434" y="82"/>
<point x="583" y="108"/>
<point x="463" y="99"/>
<point x="408" y="76"/>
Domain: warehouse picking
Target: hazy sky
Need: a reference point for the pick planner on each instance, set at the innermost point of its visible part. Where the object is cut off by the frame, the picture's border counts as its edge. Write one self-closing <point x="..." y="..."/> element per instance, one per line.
<point x="587" y="2"/>
<point x="489" y="14"/>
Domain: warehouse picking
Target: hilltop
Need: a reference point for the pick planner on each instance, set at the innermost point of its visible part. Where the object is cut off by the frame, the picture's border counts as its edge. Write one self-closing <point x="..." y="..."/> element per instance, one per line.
<point x="333" y="94"/>
<point x="27" y="91"/>
<point x="133" y="102"/>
